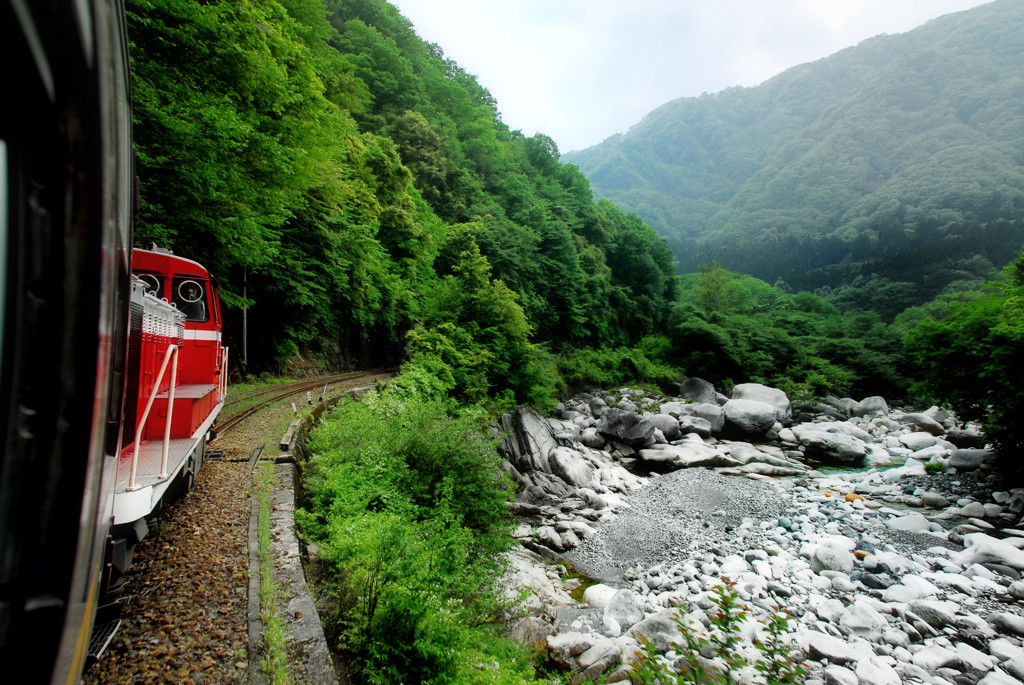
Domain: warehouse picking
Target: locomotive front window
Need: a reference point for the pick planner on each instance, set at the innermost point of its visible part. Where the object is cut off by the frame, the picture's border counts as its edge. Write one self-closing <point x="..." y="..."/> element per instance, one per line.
<point x="154" y="284"/>
<point x="189" y="295"/>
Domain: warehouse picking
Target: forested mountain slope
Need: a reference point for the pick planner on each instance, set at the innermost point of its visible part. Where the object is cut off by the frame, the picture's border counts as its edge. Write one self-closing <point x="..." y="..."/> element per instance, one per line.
<point x="900" y="157"/>
<point x="360" y="194"/>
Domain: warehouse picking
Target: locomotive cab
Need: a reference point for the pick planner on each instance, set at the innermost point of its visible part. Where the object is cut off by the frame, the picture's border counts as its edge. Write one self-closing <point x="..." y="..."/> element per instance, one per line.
<point x="176" y="386"/>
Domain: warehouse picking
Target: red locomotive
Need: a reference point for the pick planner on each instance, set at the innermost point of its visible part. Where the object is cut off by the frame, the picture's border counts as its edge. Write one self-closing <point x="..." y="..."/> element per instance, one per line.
<point x="175" y="384"/>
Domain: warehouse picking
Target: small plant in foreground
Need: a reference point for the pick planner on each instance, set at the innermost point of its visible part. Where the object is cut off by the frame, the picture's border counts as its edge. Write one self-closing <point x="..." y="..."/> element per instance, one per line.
<point x="935" y="468"/>
<point x="275" y="661"/>
<point x="712" y="656"/>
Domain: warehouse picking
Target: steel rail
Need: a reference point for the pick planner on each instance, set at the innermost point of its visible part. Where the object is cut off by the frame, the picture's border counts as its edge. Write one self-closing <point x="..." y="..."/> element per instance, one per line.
<point x="283" y="391"/>
<point x="334" y="378"/>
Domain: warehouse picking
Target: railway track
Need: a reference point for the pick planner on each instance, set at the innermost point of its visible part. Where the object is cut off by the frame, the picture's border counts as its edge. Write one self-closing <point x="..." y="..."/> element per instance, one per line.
<point x="285" y="390"/>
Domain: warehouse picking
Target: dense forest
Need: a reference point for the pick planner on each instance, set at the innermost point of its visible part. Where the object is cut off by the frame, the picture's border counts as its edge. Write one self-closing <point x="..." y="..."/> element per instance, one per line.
<point x="901" y="158"/>
<point x="354" y="185"/>
<point x="358" y="195"/>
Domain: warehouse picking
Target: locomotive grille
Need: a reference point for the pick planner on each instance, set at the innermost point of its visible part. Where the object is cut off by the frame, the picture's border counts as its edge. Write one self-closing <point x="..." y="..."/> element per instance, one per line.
<point x="131" y="403"/>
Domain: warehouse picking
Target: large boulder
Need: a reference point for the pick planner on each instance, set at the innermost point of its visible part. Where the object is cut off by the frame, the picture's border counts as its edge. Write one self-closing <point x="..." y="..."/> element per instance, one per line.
<point x="660" y="628"/>
<point x="762" y="393"/>
<point x="870" y="406"/>
<point x="675" y="409"/>
<point x="668" y="425"/>
<point x="844" y="405"/>
<point x="697" y="425"/>
<point x="570" y="466"/>
<point x="528" y="439"/>
<point x="698" y="390"/>
<point x="687" y="453"/>
<point x="829" y="557"/>
<point x="971" y="459"/>
<point x="712" y="413"/>
<point x="984" y="549"/>
<point x="749" y="417"/>
<point x="625" y="607"/>
<point x="827" y="446"/>
<point x="917" y="441"/>
<point x="967" y="437"/>
<point x="626" y="426"/>
<point x="598" y="407"/>
<point x="923" y="422"/>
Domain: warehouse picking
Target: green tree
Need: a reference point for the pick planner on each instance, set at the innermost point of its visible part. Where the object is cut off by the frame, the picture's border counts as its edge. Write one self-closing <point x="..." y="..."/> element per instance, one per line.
<point x="715" y="291"/>
<point x="972" y="360"/>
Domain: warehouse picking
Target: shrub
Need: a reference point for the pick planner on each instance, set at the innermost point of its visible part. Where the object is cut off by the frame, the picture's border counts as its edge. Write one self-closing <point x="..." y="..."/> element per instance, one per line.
<point x="405" y="499"/>
<point x="711" y="656"/>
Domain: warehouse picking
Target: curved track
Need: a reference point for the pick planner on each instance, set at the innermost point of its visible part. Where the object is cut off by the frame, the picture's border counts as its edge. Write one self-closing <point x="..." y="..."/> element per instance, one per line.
<point x="285" y="390"/>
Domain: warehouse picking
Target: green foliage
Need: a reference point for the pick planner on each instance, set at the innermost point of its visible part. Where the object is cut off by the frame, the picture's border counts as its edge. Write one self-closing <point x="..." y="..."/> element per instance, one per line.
<point x="405" y="500"/>
<point x="619" y="366"/>
<point x="710" y="656"/>
<point x="797" y="342"/>
<point x="900" y="157"/>
<point x="715" y="291"/>
<point x="972" y="359"/>
<point x="347" y="183"/>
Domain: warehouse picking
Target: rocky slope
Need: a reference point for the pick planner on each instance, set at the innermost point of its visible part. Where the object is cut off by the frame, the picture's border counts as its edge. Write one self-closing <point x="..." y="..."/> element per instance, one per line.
<point x="889" y="574"/>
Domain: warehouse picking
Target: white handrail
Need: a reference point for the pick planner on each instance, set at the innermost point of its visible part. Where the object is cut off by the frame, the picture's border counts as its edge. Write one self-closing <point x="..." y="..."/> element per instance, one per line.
<point x="223" y="389"/>
<point x="172" y="356"/>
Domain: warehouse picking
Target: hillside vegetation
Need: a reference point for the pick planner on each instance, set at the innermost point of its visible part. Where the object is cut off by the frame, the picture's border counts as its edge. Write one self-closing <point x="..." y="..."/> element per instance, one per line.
<point x="900" y="158"/>
<point x="359" y="195"/>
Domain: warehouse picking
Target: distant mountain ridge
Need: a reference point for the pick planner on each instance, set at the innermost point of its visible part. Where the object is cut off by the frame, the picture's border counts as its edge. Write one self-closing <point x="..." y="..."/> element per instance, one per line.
<point x="902" y="156"/>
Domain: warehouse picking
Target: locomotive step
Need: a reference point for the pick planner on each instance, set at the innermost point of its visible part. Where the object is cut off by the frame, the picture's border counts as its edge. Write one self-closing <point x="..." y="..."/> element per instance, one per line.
<point x="150" y="456"/>
<point x="189" y="392"/>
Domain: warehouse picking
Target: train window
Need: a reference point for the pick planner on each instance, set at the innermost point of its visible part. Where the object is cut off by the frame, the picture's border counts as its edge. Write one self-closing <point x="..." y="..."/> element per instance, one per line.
<point x="189" y="296"/>
<point x="154" y="284"/>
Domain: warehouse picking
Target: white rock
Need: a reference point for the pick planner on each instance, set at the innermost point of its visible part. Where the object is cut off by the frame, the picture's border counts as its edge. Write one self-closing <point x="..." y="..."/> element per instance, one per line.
<point x="982" y="549"/>
<point x="819" y="645"/>
<point x="626" y="607"/>
<point x="1005" y="622"/>
<point x="917" y="441"/>
<point x="837" y="675"/>
<point x="900" y="594"/>
<point x="610" y="627"/>
<point x="828" y="557"/>
<point x="978" y="661"/>
<point x="598" y="652"/>
<point x="998" y="677"/>
<point x="954" y="580"/>
<point x="915" y="523"/>
<point x="935" y="613"/>
<point x="973" y="510"/>
<point x="864" y="621"/>
<point x="919" y="585"/>
<point x="1002" y="649"/>
<point x="933" y="657"/>
<point x="830" y="610"/>
<point x="896" y="638"/>
<point x="874" y="671"/>
<point x="598" y="596"/>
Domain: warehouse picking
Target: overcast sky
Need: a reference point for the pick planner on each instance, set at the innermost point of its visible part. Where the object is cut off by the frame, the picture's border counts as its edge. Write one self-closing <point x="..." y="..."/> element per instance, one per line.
<point x="582" y="70"/>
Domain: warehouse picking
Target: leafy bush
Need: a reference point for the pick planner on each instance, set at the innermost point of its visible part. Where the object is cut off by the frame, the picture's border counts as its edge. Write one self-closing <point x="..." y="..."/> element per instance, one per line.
<point x="711" y="656"/>
<point x="611" y="367"/>
<point x="405" y="500"/>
